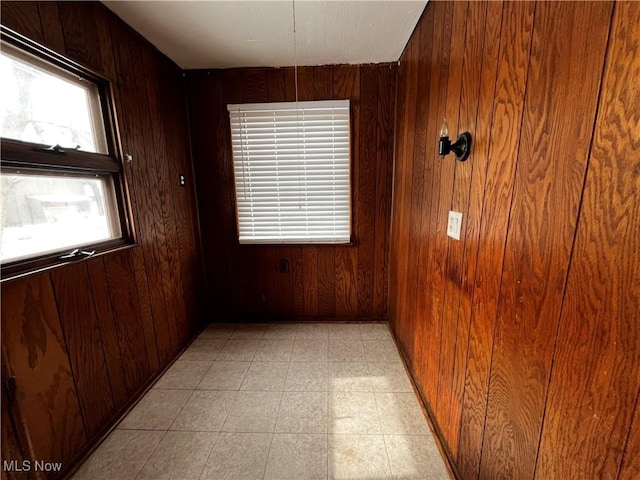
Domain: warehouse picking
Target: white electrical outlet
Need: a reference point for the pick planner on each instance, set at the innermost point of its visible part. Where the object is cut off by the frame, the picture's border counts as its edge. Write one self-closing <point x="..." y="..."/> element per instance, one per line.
<point x="455" y="225"/>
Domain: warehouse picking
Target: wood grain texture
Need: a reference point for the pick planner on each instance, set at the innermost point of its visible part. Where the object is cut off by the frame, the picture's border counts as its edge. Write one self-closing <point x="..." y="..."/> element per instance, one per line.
<point x="402" y="189"/>
<point x="366" y="184"/>
<point x="84" y="344"/>
<point x="453" y="366"/>
<point x="125" y="314"/>
<point x="52" y="31"/>
<point x="143" y="180"/>
<point x="480" y="158"/>
<point x="630" y="467"/>
<point x="347" y="86"/>
<point x="384" y="173"/>
<point x="520" y="335"/>
<point x="599" y="331"/>
<point x="24" y="18"/>
<point x="517" y="19"/>
<point x="324" y="281"/>
<point x="107" y="329"/>
<point x="34" y="345"/>
<point x="429" y="72"/>
<point x="80" y="33"/>
<point x="447" y="279"/>
<point x="12" y="437"/>
<point x="124" y="302"/>
<point x="544" y="210"/>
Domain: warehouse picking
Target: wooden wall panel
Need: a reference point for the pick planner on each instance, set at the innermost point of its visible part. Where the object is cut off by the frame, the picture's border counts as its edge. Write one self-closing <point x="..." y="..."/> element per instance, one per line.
<point x="544" y="210"/>
<point x="107" y="329"/>
<point x="86" y="352"/>
<point x="35" y="351"/>
<point x="630" y="467"/>
<point x="520" y="334"/>
<point x="52" y="26"/>
<point x="24" y="18"/>
<point x="430" y="35"/>
<point x="132" y="339"/>
<point x="453" y="364"/>
<point x="596" y="375"/>
<point x="347" y="86"/>
<point x="323" y="281"/>
<point x="402" y="191"/>
<point x="80" y="34"/>
<point x="83" y="347"/>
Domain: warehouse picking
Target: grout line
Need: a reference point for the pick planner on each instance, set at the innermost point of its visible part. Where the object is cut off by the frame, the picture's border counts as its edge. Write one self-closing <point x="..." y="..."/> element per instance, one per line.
<point x="139" y="472"/>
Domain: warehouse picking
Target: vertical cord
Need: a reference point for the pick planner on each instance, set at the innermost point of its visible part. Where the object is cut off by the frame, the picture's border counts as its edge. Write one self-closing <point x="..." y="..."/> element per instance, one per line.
<point x="242" y="115"/>
<point x="295" y="81"/>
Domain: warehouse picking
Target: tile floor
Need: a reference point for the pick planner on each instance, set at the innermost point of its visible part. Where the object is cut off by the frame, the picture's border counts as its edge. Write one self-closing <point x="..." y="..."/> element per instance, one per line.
<point x="276" y="401"/>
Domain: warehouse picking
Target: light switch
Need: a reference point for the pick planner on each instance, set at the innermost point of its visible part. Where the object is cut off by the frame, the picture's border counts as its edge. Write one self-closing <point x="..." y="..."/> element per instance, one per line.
<point x="455" y="225"/>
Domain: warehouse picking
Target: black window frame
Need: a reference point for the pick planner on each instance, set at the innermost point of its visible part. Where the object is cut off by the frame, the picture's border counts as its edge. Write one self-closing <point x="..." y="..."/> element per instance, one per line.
<point x="18" y="156"/>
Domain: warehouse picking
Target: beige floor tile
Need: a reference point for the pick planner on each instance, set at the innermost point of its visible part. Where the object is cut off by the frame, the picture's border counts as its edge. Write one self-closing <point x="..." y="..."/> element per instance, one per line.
<point x="224" y="376"/>
<point x="312" y="331"/>
<point x="274" y="350"/>
<point x="349" y="377"/>
<point x="239" y="350"/>
<point x="121" y="456"/>
<point x="415" y="457"/>
<point x="389" y="377"/>
<point x="275" y="434"/>
<point x="306" y="377"/>
<point x="266" y="376"/>
<point x="345" y="350"/>
<point x="381" y="351"/>
<point x="157" y="410"/>
<point x="253" y="331"/>
<point x="302" y="412"/>
<point x="375" y="331"/>
<point x="344" y="331"/>
<point x="401" y="414"/>
<point x="253" y="412"/>
<point x="203" y="349"/>
<point x="221" y="331"/>
<point x="357" y="457"/>
<point x="309" y="350"/>
<point x="297" y="457"/>
<point x="238" y="456"/>
<point x="183" y="375"/>
<point x="353" y="413"/>
<point x="179" y="456"/>
<point x="205" y="411"/>
<point x="281" y="331"/>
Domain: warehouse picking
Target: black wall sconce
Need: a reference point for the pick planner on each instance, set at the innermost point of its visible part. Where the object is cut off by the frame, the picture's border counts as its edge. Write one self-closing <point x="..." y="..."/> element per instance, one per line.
<point x="461" y="147"/>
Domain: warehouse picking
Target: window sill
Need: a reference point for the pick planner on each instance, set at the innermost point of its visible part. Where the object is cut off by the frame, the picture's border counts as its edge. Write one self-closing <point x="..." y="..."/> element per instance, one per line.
<point x="352" y="243"/>
<point x="23" y="268"/>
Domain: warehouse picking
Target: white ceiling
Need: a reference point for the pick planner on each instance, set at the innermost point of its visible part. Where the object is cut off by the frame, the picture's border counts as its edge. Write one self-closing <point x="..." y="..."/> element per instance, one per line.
<point x="225" y="34"/>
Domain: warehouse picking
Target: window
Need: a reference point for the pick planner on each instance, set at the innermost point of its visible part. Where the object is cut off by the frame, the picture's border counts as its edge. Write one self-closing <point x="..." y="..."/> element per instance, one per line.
<point x="61" y="194"/>
<point x="291" y="165"/>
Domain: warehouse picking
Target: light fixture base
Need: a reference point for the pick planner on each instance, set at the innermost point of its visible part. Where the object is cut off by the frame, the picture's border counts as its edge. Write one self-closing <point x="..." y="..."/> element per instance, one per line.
<point x="462" y="146"/>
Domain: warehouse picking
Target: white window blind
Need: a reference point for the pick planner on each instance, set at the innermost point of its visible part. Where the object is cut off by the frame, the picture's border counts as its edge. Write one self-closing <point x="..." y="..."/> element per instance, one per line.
<point x="291" y="165"/>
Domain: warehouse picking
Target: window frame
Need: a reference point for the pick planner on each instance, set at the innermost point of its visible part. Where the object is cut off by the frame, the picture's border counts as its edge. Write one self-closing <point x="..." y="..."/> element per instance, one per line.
<point x="26" y="156"/>
<point x="251" y="106"/>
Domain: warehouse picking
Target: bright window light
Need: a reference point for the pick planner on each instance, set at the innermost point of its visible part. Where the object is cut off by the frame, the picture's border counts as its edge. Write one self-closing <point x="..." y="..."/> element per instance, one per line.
<point x="43" y="214"/>
<point x="43" y="104"/>
<point x="292" y="175"/>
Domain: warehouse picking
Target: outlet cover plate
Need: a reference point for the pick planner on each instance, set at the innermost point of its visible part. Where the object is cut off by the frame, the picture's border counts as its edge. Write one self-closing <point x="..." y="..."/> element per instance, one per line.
<point x="455" y="225"/>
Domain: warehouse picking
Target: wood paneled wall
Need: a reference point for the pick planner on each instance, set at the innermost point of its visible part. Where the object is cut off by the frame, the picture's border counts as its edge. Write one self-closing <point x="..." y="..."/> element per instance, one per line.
<point x="83" y="340"/>
<point x="524" y="336"/>
<point x="327" y="282"/>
